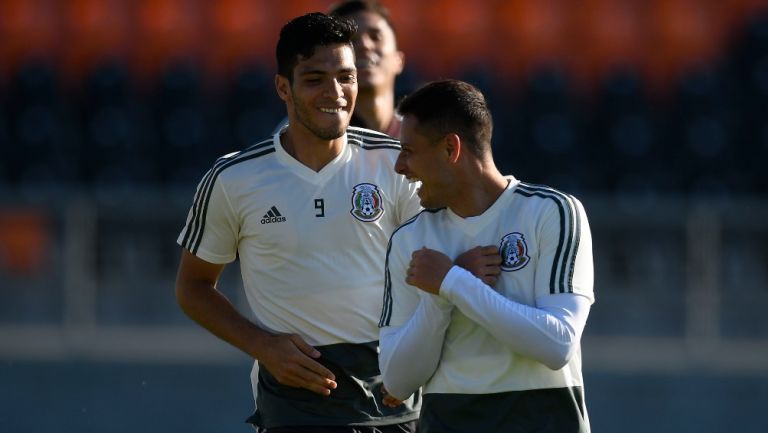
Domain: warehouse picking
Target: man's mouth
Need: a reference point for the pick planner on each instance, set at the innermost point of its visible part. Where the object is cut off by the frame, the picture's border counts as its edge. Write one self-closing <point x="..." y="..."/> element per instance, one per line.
<point x="331" y="110"/>
<point x="367" y="62"/>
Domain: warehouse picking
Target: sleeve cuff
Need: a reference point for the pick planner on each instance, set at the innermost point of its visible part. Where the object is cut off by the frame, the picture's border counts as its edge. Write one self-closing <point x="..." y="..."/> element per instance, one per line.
<point x="452" y="280"/>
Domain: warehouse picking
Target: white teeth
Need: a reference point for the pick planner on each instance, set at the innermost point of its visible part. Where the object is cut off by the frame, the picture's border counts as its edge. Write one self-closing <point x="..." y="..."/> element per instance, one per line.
<point x="331" y="110"/>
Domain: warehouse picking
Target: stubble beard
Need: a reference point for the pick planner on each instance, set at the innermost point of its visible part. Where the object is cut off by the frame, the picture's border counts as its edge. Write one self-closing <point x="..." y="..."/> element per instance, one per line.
<point x="304" y="117"/>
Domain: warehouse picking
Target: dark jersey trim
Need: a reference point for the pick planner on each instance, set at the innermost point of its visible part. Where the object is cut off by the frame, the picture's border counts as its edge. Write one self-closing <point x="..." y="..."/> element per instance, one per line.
<point x="194" y="231"/>
<point x="370" y="133"/>
<point x="368" y="143"/>
<point x="576" y="243"/>
<point x="568" y="240"/>
<point x="386" y="310"/>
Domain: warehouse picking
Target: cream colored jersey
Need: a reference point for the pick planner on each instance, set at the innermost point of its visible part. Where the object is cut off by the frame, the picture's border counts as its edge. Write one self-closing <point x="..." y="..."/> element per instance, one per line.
<point x="311" y="244"/>
<point x="545" y="243"/>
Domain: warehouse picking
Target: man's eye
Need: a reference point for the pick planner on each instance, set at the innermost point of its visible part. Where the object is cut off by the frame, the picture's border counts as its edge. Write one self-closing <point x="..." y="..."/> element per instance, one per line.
<point x="376" y="36"/>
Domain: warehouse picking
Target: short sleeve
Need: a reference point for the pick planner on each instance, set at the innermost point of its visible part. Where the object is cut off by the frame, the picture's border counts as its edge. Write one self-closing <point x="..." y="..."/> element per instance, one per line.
<point x="565" y="249"/>
<point x="211" y="230"/>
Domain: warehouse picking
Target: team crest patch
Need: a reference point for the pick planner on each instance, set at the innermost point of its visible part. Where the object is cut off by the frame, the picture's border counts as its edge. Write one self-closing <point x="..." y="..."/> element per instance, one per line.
<point x="514" y="252"/>
<point x="366" y="202"/>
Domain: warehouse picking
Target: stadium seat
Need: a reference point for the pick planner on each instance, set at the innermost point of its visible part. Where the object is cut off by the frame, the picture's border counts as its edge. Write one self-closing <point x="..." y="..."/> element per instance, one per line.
<point x="24" y="240"/>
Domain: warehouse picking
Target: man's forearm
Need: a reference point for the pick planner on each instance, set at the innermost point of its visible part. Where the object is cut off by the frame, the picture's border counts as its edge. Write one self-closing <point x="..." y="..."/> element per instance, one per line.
<point x="548" y="333"/>
<point x="410" y="353"/>
<point x="213" y="311"/>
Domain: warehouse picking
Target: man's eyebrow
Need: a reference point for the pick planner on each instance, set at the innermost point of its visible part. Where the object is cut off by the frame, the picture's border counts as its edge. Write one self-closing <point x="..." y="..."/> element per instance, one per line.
<point x="312" y="71"/>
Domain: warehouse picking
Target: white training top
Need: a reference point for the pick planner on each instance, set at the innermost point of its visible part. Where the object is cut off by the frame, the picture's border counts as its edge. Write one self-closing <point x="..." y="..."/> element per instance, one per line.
<point x="311" y="244"/>
<point x="524" y="333"/>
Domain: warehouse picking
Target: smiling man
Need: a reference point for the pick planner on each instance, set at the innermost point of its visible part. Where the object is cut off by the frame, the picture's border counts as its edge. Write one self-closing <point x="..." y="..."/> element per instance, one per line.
<point x="498" y="354"/>
<point x="378" y="61"/>
<point x="308" y="212"/>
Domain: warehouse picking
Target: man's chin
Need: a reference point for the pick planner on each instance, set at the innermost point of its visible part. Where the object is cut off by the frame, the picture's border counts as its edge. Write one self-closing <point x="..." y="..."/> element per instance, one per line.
<point x="331" y="133"/>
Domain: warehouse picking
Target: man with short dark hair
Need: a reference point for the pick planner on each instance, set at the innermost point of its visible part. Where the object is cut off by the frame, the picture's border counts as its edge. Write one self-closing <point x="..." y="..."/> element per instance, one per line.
<point x="308" y="212"/>
<point x="499" y="353"/>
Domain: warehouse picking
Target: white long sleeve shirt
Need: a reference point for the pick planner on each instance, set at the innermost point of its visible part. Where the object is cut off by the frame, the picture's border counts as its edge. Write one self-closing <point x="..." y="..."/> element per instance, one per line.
<point x="524" y="333"/>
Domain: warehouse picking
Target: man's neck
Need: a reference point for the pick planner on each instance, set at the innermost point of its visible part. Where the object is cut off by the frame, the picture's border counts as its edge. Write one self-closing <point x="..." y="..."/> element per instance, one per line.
<point x="375" y="108"/>
<point x="310" y="150"/>
<point x="480" y="192"/>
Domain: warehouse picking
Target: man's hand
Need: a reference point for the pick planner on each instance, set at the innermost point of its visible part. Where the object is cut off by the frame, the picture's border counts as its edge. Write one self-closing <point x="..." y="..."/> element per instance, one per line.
<point x="427" y="269"/>
<point x="483" y="262"/>
<point x="389" y="400"/>
<point x="292" y="362"/>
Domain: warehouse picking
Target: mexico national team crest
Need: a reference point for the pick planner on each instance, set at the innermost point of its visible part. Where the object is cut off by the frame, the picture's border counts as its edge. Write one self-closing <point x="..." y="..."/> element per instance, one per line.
<point x="366" y="202"/>
<point x="514" y="252"/>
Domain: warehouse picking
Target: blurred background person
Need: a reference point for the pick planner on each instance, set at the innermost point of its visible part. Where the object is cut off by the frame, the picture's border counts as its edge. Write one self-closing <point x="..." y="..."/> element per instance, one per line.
<point x="379" y="61"/>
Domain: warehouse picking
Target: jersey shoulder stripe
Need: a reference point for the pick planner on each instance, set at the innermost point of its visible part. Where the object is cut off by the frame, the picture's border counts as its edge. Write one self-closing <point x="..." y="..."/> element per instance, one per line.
<point x="386" y="310"/>
<point x="370" y="133"/>
<point x="561" y="277"/>
<point x="369" y="139"/>
<point x="574" y="235"/>
<point x="196" y="224"/>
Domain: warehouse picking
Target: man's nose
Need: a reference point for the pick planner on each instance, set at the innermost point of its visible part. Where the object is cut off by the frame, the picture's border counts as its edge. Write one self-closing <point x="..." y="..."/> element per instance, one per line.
<point x="400" y="165"/>
<point x="334" y="89"/>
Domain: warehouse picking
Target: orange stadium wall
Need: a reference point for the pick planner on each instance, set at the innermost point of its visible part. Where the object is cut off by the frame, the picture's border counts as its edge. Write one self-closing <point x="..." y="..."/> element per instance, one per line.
<point x="509" y="38"/>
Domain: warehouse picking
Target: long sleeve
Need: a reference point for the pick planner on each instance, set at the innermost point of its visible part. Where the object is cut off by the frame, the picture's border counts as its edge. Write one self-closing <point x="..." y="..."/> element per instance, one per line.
<point x="549" y="332"/>
<point x="420" y="339"/>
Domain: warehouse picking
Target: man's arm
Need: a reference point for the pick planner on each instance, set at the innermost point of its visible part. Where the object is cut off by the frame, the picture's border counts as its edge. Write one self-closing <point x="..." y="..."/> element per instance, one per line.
<point x="548" y="333"/>
<point x="287" y="357"/>
<point x="410" y="353"/>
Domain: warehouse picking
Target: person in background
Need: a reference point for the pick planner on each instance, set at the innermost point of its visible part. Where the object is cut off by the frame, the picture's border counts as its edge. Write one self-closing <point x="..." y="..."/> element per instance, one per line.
<point x="378" y="61"/>
<point x="502" y="352"/>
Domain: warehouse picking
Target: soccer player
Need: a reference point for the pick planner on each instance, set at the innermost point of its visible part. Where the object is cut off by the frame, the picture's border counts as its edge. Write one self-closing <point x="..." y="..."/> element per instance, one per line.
<point x="505" y="358"/>
<point x="309" y="212"/>
<point x="378" y="61"/>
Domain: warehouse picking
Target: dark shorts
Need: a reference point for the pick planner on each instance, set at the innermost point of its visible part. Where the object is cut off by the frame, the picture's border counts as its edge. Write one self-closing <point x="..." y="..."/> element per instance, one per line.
<point x="406" y="427"/>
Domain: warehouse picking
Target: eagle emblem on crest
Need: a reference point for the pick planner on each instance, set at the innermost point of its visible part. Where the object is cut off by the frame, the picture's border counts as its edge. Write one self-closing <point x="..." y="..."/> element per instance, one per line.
<point x="514" y="252"/>
<point x="367" y="204"/>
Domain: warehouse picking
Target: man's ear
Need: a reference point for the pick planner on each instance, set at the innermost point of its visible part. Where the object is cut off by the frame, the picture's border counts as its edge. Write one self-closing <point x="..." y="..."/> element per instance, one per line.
<point x="400" y="62"/>
<point x="453" y="146"/>
<point x="283" y="87"/>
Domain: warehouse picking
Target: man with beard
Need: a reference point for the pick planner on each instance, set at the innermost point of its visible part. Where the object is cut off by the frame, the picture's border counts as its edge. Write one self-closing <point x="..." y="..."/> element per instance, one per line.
<point x="308" y="212"/>
<point x="378" y="61"/>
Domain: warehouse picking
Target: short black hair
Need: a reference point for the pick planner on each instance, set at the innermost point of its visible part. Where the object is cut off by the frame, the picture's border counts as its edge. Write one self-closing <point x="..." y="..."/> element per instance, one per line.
<point x="346" y="8"/>
<point x="452" y="106"/>
<point x="302" y="35"/>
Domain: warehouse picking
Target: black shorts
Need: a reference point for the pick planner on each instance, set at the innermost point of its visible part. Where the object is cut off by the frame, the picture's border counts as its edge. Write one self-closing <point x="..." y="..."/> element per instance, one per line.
<point x="406" y="427"/>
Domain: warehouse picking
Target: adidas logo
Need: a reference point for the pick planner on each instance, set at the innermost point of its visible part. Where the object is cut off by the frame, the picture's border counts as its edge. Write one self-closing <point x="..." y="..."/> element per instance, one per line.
<point x="273" y="216"/>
